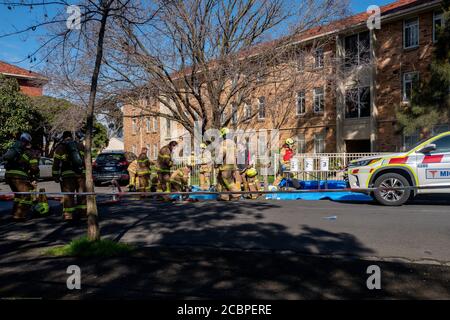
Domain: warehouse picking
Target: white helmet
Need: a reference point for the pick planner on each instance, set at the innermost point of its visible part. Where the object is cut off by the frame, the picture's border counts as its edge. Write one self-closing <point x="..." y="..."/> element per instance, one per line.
<point x="25" y="137"/>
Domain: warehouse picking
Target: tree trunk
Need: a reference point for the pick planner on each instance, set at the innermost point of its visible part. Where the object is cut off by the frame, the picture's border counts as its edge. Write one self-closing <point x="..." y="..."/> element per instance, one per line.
<point x="93" y="232"/>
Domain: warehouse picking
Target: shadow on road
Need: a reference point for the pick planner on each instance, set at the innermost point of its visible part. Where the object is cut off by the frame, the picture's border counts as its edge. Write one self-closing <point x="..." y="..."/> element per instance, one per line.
<point x="179" y="258"/>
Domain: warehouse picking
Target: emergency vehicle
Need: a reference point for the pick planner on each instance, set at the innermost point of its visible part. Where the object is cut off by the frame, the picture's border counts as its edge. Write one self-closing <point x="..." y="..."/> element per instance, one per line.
<point x="425" y="165"/>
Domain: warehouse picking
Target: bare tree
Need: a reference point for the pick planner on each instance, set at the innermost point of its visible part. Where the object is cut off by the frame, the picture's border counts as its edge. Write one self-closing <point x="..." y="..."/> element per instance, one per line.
<point x="205" y="58"/>
<point x="77" y="47"/>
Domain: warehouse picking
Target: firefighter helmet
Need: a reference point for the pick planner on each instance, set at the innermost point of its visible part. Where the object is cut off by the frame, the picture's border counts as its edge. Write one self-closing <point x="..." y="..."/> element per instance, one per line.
<point x="290" y="141"/>
<point x="251" y="173"/>
<point x="26" y="137"/>
<point x="203" y="146"/>
<point x="224" y="132"/>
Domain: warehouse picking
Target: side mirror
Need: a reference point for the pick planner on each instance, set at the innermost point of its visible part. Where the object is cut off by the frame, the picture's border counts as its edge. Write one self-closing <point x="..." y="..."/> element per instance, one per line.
<point x="427" y="149"/>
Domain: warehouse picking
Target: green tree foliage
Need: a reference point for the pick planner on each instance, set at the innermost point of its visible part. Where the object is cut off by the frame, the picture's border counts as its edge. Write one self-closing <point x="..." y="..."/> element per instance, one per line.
<point x="430" y="103"/>
<point x="16" y="113"/>
<point x="56" y="116"/>
<point x="100" y="139"/>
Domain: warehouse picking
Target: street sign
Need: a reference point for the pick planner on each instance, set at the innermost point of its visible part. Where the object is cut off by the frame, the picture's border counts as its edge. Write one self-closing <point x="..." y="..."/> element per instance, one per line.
<point x="294" y="165"/>
<point x="324" y="163"/>
<point x="309" y="164"/>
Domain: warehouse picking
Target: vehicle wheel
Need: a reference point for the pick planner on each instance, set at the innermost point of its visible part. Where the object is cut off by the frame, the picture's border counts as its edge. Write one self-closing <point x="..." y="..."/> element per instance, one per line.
<point x="391" y="197"/>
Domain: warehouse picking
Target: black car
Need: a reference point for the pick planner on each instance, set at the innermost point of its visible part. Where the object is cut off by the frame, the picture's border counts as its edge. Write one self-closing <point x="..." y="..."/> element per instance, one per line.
<point x="110" y="166"/>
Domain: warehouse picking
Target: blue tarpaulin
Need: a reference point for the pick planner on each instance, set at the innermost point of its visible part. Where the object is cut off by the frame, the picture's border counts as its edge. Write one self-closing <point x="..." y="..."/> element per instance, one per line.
<point x="335" y="196"/>
<point x="314" y="184"/>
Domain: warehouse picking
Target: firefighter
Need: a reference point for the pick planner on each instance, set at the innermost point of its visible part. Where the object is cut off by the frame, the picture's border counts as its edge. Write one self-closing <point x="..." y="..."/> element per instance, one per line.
<point x="179" y="179"/>
<point x="143" y="172"/>
<point x="226" y="173"/>
<point x="164" y="163"/>
<point x="132" y="171"/>
<point x="286" y="154"/>
<point x="68" y="170"/>
<point x="250" y="182"/>
<point x="205" y="169"/>
<point x="22" y="171"/>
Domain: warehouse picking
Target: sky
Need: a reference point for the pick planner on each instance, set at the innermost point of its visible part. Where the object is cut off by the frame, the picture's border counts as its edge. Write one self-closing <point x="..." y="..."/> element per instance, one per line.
<point x="15" y="49"/>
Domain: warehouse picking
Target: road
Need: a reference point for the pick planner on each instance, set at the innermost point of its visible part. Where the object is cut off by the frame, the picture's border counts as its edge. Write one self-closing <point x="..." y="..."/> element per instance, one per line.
<point x="245" y="249"/>
<point x="417" y="232"/>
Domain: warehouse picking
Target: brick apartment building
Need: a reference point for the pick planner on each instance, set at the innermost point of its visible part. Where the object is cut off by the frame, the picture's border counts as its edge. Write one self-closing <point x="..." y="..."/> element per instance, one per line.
<point x="31" y="83"/>
<point x="323" y="118"/>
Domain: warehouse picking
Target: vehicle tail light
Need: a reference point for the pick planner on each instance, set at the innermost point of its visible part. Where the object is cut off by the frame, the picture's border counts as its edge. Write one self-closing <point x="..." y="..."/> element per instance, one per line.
<point x="94" y="164"/>
<point x="123" y="163"/>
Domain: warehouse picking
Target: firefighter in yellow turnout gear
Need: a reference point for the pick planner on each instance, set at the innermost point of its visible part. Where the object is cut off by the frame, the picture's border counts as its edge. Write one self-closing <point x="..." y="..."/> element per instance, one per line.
<point x="179" y="179"/>
<point x="68" y="170"/>
<point x="22" y="170"/>
<point x="143" y="172"/>
<point x="164" y="163"/>
<point x="250" y="182"/>
<point x="226" y="175"/>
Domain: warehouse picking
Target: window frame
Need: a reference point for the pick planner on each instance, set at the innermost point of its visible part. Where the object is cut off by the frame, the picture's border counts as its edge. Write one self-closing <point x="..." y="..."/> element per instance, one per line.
<point x="323" y="100"/>
<point x="134" y="126"/>
<point x="155" y="124"/>
<point x="301" y="143"/>
<point x="261" y="102"/>
<point x="300" y="94"/>
<point x="437" y="15"/>
<point x="359" y="91"/>
<point x="247" y="111"/>
<point x="148" y="125"/>
<point x="322" y="135"/>
<point x="321" y="60"/>
<point x="234" y="114"/>
<point x="405" y="22"/>
<point x="412" y="81"/>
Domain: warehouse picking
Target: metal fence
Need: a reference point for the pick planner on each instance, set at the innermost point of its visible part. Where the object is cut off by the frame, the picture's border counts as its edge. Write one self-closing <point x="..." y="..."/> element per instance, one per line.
<point x="307" y="167"/>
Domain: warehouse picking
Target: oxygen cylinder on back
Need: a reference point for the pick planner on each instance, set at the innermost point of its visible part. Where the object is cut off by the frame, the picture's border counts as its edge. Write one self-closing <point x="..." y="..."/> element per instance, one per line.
<point x="75" y="156"/>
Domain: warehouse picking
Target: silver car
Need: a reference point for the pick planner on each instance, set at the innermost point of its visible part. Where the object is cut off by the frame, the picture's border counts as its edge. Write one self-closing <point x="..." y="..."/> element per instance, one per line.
<point x="45" y="169"/>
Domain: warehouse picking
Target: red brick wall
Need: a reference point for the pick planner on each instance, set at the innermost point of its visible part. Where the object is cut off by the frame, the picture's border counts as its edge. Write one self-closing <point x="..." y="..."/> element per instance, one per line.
<point x="392" y="62"/>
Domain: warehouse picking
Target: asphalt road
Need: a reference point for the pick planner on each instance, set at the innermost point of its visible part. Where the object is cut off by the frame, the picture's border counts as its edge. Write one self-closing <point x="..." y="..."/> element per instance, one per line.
<point x="246" y="249"/>
<point x="416" y="232"/>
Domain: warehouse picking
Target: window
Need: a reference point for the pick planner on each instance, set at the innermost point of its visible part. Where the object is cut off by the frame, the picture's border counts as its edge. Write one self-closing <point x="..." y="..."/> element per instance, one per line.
<point x="411" y="33"/>
<point x="247" y="111"/>
<point x="442" y="145"/>
<point x="223" y="116"/>
<point x="319" y="143"/>
<point x="357" y="49"/>
<point x="440" y="128"/>
<point x="410" y="79"/>
<point x="357" y="103"/>
<point x="301" y="108"/>
<point x="133" y="149"/>
<point x="148" y="124"/>
<point x="262" y="108"/>
<point x="409" y="141"/>
<point x="234" y="114"/>
<point x="134" y="126"/>
<point x="319" y="100"/>
<point x="155" y="151"/>
<point x="148" y="150"/>
<point x="438" y="22"/>
<point x="318" y="58"/>
<point x="301" y="61"/>
<point x="155" y="124"/>
<point x="301" y="143"/>
<point x="168" y="127"/>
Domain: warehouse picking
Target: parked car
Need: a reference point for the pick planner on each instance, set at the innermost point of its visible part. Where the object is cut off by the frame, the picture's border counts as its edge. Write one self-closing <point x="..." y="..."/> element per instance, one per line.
<point x="425" y="165"/>
<point x="110" y="166"/>
<point x="45" y="169"/>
